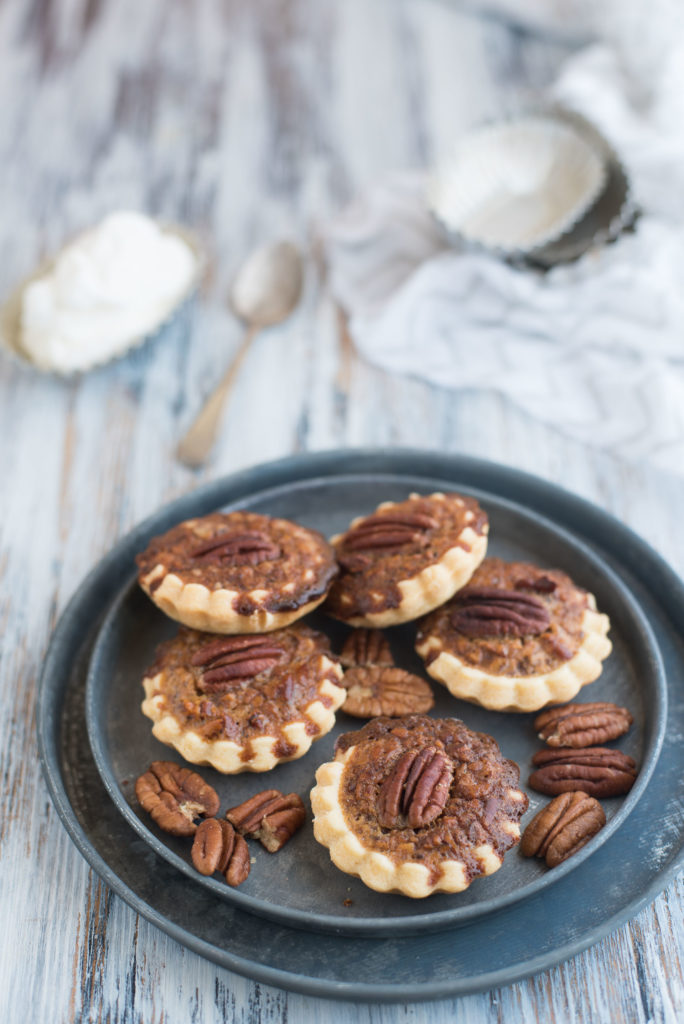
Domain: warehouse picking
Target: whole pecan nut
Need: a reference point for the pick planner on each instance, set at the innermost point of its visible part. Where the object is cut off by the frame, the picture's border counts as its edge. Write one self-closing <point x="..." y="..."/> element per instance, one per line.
<point x="563" y="827"/>
<point x="598" y="771"/>
<point x="366" y="647"/>
<point x="270" y="817"/>
<point x="175" y="797"/>
<point x="385" y="691"/>
<point x="582" y="725"/>
<point x="229" y="660"/>
<point x="218" y="847"/>
<point x="387" y="531"/>
<point x="248" y="547"/>
<point x="416" y="790"/>
<point x="490" y="611"/>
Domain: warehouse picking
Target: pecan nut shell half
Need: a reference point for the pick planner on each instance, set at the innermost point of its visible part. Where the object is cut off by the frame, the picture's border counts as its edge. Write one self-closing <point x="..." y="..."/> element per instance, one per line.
<point x="270" y="817"/>
<point x="249" y="547"/>
<point x="582" y="725"/>
<point x="388" y="531"/>
<point x="385" y="691"/>
<point x="230" y="660"/>
<point x="597" y="771"/>
<point x="416" y="790"/>
<point x="563" y="827"/>
<point x="218" y="847"/>
<point x="366" y="647"/>
<point x="490" y="611"/>
<point x="175" y="797"/>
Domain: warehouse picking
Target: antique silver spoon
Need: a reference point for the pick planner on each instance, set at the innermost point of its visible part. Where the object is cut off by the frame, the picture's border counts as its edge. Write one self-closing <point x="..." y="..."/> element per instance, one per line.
<point x="265" y="291"/>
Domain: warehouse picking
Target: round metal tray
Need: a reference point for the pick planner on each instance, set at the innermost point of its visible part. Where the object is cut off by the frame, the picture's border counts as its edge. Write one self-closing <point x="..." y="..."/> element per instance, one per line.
<point x="300" y="887"/>
<point x="613" y="883"/>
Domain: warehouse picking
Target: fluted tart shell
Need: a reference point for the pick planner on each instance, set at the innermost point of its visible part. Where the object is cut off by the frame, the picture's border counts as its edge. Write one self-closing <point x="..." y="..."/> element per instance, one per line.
<point x="243" y="703"/>
<point x="406" y="558"/>
<point x="519" y="671"/>
<point x="472" y="821"/>
<point x="237" y="572"/>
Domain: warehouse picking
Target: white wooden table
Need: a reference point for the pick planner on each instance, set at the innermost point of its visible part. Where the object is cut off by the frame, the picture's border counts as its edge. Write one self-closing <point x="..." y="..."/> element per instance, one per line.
<point x="247" y="121"/>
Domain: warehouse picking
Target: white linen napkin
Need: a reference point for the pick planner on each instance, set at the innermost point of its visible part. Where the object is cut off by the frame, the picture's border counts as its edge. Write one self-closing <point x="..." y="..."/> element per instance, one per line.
<point x="595" y="348"/>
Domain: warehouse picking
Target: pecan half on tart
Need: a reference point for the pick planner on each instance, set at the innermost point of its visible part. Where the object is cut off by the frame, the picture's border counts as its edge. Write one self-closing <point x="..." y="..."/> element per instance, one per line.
<point x="516" y="638"/>
<point x="406" y="558"/>
<point x="237" y="572"/>
<point x="417" y="805"/>
<point x="243" y="703"/>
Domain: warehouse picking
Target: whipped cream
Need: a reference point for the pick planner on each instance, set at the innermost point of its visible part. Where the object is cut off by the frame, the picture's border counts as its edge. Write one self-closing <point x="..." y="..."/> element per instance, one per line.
<point x="111" y="286"/>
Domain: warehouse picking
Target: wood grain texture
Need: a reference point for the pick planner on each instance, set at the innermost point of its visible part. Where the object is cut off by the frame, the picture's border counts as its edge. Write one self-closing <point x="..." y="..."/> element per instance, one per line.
<point x="248" y="122"/>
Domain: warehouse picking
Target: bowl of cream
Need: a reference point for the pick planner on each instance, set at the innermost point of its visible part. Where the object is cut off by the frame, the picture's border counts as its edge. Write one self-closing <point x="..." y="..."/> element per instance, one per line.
<point x="107" y="291"/>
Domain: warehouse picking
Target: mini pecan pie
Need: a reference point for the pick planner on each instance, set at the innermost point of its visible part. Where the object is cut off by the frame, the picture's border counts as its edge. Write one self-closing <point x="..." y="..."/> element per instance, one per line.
<point x="516" y="638"/>
<point x="417" y="805"/>
<point x="406" y="559"/>
<point x="243" y="703"/>
<point x="238" y="572"/>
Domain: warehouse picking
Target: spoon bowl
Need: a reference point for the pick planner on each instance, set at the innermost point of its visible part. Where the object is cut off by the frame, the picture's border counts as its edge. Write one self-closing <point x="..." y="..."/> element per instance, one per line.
<point x="265" y="291"/>
<point x="268" y="285"/>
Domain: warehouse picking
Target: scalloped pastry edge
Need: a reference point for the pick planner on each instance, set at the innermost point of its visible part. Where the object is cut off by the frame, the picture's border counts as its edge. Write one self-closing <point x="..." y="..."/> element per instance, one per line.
<point x="377" y="870"/>
<point x="525" y="693"/>
<point x="432" y="586"/>
<point x="226" y="755"/>
<point x="213" y="611"/>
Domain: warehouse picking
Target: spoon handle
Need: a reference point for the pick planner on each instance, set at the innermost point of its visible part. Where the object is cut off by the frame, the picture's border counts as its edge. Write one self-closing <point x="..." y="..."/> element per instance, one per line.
<point x="194" y="448"/>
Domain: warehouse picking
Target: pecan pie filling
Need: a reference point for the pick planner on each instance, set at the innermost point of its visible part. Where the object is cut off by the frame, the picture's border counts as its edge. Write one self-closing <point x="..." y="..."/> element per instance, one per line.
<point x="397" y="543"/>
<point x="427" y="789"/>
<point x="512" y="619"/>
<point x="242" y="687"/>
<point x="285" y="563"/>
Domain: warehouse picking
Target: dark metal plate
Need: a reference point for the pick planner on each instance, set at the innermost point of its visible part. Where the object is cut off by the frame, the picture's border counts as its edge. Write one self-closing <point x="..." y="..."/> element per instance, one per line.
<point x="300" y="887"/>
<point x="630" y="868"/>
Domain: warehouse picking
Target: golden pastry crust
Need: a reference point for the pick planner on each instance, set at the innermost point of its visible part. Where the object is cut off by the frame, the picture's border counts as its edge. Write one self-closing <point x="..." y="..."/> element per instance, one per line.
<point x="502" y="671"/>
<point x="477" y="820"/>
<point x="406" y="559"/>
<point x="239" y="572"/>
<point x="243" y="703"/>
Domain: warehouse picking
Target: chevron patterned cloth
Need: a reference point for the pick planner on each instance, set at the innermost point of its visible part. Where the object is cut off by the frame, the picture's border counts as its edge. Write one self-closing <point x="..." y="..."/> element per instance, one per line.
<point x="594" y="348"/>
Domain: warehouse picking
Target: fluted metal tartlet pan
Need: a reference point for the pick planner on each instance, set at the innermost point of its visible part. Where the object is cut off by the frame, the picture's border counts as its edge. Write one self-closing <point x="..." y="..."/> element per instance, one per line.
<point x="611" y="212"/>
<point x="10" y="312"/>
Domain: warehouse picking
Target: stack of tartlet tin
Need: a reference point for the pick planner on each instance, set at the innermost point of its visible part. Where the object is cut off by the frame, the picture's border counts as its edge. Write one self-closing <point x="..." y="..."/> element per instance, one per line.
<point x="540" y="188"/>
